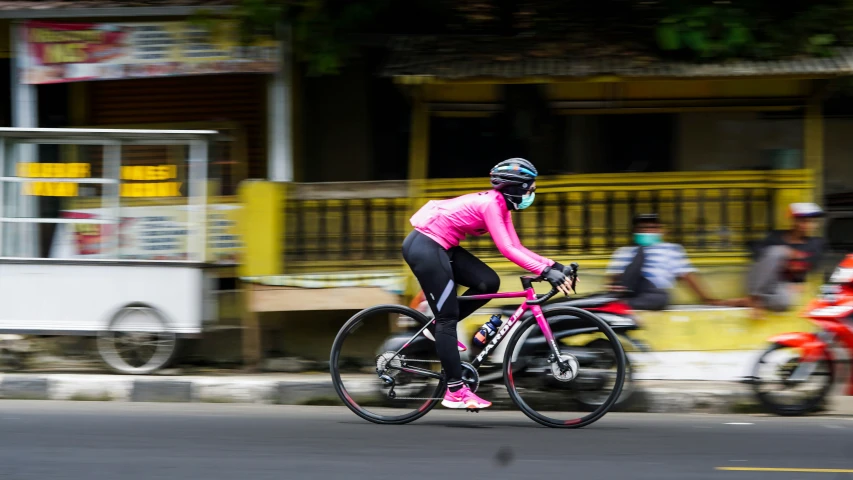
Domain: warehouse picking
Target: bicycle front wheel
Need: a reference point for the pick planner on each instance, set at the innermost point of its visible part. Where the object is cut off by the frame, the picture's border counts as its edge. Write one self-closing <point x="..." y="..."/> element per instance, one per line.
<point x="384" y="376"/>
<point x="546" y="393"/>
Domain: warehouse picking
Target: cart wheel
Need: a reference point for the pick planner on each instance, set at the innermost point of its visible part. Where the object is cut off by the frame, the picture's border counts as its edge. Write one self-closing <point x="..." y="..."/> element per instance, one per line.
<point x="137" y="341"/>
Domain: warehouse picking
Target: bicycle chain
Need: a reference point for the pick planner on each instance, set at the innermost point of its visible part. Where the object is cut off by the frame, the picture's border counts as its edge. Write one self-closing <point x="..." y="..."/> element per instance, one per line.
<point x="417" y="398"/>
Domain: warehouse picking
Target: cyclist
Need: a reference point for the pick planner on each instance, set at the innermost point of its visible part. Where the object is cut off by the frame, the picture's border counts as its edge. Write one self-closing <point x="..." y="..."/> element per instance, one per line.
<point x="433" y="253"/>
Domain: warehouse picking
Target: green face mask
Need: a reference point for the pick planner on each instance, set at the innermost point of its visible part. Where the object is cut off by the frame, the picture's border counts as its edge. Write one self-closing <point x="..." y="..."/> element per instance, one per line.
<point x="647" y="239"/>
<point x="526" y="200"/>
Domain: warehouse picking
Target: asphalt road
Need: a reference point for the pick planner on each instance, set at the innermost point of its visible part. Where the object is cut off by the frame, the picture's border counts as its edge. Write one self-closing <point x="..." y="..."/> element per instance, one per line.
<point x="117" y="441"/>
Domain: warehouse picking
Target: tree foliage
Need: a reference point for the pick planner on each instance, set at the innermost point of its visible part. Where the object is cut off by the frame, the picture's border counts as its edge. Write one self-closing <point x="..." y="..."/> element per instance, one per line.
<point x="690" y="30"/>
<point x="321" y="32"/>
<point x="756" y="29"/>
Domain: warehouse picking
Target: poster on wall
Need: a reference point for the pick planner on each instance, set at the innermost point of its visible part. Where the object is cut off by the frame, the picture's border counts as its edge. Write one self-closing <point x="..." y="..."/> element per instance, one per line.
<point x="149" y="233"/>
<point x="75" y="52"/>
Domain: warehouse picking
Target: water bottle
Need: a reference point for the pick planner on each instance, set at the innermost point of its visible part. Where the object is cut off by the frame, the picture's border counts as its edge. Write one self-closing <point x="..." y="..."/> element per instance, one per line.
<point x="487" y="331"/>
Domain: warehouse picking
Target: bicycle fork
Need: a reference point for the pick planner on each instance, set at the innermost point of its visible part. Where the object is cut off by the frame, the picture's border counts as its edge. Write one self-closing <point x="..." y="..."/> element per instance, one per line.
<point x="556" y="356"/>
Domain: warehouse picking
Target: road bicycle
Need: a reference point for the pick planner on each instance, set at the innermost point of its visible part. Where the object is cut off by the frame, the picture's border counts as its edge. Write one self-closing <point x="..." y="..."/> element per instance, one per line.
<point x="413" y="380"/>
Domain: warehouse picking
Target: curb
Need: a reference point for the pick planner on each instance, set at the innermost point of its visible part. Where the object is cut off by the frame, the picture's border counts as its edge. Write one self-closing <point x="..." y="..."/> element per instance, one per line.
<point x="651" y="397"/>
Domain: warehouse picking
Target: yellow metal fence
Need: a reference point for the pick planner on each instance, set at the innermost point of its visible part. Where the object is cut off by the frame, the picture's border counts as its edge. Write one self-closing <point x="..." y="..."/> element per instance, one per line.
<point x="583" y="216"/>
<point x="590" y="215"/>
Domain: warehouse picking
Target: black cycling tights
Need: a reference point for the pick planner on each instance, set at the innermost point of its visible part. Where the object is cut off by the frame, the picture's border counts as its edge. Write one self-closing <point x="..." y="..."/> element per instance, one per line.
<point x="439" y="271"/>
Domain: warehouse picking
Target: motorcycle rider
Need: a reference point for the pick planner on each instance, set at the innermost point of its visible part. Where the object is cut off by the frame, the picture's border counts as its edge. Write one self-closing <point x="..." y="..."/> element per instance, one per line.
<point x="784" y="260"/>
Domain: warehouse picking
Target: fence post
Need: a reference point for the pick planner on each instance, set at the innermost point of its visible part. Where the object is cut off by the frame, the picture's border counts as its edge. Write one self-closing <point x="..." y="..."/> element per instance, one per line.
<point x="261" y="226"/>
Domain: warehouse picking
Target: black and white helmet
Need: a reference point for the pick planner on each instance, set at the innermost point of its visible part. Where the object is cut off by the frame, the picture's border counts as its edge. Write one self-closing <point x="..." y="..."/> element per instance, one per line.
<point x="515" y="171"/>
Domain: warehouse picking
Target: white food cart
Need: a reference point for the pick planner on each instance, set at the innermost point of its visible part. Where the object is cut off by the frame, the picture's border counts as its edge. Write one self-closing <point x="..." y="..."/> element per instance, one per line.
<point x="137" y="308"/>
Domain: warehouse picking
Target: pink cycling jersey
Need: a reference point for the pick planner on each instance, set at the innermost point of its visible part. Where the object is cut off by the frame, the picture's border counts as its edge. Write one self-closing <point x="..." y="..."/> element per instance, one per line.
<point x="449" y="221"/>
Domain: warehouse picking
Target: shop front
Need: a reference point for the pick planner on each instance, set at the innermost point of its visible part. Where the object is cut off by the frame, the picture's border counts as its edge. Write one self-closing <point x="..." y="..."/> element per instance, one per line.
<point x="165" y="75"/>
<point x="127" y="221"/>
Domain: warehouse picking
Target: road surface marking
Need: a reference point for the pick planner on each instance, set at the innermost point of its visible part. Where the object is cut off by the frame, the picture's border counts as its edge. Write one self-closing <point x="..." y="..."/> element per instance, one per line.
<point x="794" y="470"/>
<point x="740" y="423"/>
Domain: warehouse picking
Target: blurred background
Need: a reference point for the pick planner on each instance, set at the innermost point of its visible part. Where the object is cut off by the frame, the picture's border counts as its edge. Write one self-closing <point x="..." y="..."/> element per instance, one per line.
<point x="196" y="195"/>
<point x="330" y="122"/>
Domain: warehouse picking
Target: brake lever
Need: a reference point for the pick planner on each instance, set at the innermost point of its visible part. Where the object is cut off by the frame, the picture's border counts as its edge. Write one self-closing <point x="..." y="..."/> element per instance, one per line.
<point x="554" y="290"/>
<point x="574" y="267"/>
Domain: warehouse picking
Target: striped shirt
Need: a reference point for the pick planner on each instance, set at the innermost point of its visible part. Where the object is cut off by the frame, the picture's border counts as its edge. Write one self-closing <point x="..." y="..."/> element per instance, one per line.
<point x="665" y="262"/>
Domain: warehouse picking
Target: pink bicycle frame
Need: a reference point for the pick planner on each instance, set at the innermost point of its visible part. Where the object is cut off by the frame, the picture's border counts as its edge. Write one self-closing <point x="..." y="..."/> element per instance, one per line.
<point x="529" y="294"/>
<point x="532" y="302"/>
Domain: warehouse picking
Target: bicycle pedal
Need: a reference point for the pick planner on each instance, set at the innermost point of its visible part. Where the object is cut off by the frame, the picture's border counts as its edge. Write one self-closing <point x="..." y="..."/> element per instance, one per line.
<point x="473" y="410"/>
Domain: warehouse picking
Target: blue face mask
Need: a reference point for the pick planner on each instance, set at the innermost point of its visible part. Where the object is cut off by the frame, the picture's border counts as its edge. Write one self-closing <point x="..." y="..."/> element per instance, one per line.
<point x="526" y="200"/>
<point x="647" y="239"/>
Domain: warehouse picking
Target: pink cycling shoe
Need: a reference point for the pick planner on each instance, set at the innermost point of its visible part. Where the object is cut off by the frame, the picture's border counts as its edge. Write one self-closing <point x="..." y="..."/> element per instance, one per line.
<point x="464" y="398"/>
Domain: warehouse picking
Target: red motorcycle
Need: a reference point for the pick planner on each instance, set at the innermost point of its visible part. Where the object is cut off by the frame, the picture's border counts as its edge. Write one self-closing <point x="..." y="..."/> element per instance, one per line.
<point x="797" y="372"/>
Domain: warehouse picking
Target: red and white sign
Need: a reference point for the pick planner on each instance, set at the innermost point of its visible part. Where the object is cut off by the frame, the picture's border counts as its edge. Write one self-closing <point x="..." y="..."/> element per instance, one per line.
<point x="74" y="52"/>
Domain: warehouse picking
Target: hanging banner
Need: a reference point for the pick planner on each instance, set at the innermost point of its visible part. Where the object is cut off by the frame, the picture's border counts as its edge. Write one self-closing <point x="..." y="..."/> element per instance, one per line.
<point x="75" y="52"/>
<point x="149" y="233"/>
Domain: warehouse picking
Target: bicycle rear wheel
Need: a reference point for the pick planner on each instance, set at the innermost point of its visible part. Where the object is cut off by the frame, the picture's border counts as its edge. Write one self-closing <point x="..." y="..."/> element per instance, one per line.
<point x="386" y="381"/>
<point x="549" y="396"/>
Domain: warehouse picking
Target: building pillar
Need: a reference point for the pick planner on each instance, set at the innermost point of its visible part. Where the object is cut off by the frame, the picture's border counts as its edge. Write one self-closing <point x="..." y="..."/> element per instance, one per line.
<point x="813" y="145"/>
<point x="24" y="240"/>
<point x="419" y="137"/>
<point x="418" y="166"/>
<point x="280" y="123"/>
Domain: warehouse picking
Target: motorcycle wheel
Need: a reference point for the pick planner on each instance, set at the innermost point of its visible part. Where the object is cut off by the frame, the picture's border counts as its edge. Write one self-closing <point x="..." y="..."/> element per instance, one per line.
<point x="824" y="368"/>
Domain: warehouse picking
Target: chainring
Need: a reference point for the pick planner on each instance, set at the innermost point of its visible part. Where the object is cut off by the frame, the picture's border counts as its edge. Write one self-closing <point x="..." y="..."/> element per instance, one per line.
<point x="470" y="377"/>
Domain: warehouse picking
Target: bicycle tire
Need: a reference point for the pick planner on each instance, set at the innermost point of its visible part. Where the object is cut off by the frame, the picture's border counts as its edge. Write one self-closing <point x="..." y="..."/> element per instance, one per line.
<point x="599" y="412"/>
<point x="337" y="381"/>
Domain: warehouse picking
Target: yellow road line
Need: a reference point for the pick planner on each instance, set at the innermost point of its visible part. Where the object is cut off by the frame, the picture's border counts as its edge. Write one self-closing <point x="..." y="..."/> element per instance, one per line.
<point x="797" y="470"/>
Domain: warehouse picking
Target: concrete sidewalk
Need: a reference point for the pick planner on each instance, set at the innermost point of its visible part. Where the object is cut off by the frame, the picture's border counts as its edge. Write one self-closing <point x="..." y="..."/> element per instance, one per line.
<point x="306" y="389"/>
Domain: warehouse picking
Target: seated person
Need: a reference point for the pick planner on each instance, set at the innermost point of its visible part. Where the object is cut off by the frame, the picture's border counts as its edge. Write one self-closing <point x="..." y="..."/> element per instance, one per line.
<point x="647" y="271"/>
<point x="784" y="260"/>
